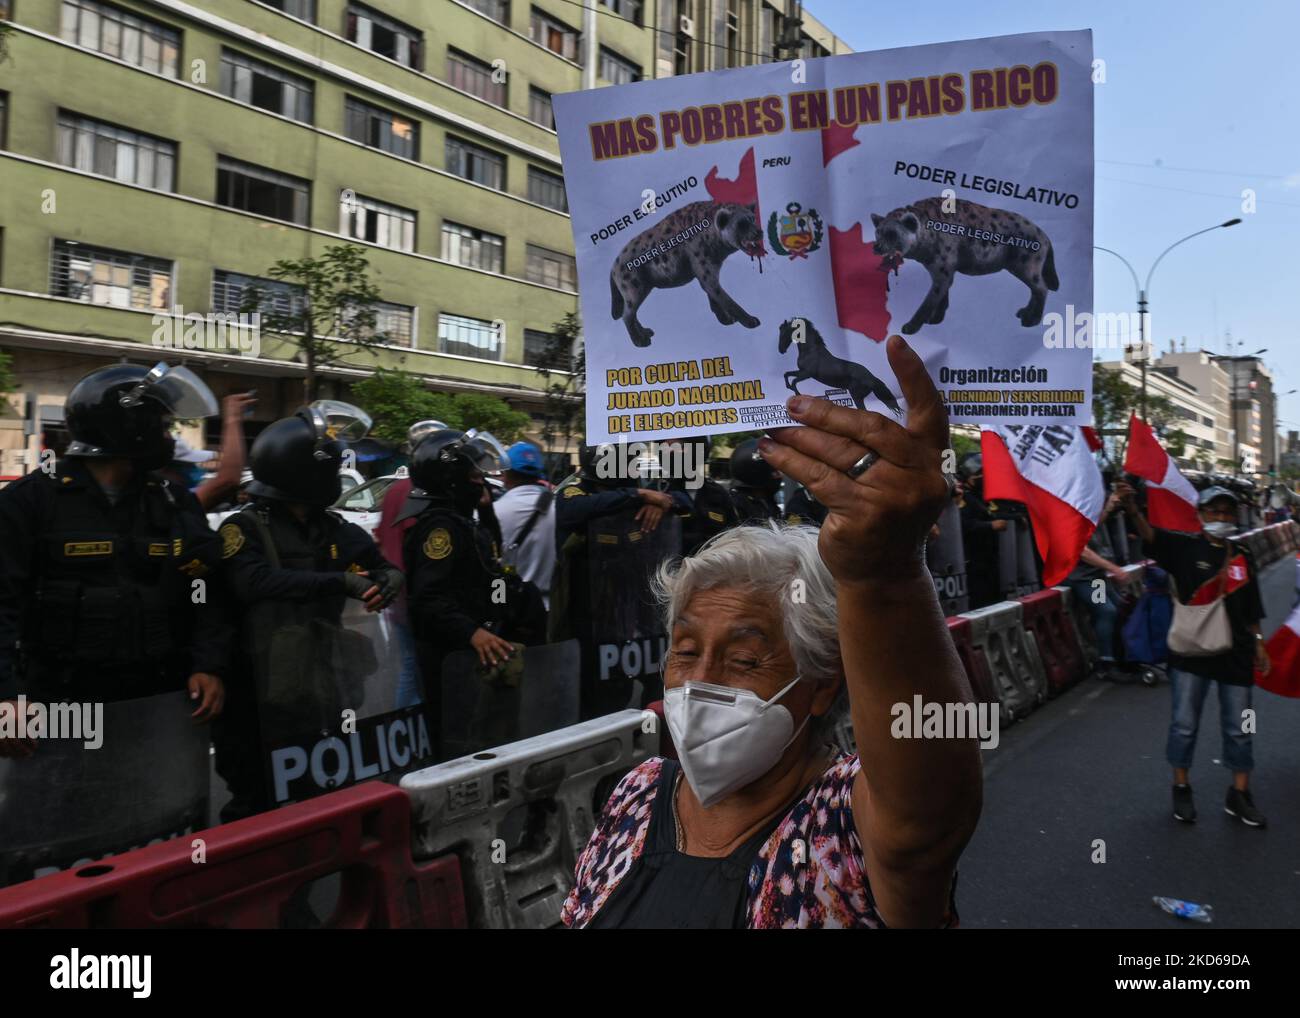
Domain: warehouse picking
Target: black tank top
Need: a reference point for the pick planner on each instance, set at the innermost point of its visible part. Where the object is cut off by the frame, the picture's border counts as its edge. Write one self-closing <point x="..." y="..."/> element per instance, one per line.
<point x="668" y="889"/>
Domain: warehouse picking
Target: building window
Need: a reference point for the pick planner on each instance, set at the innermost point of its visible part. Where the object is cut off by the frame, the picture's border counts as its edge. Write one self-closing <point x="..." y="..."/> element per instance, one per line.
<point x="547" y="189"/>
<point x="303" y="9"/>
<point x="250" y="81"/>
<point x="116" y="278"/>
<point x="378" y="128"/>
<point x="539" y="107"/>
<point x="385" y="36"/>
<point x="231" y="289"/>
<point x="465" y="159"/>
<point x="629" y="9"/>
<point x="108" y="151"/>
<point x="497" y="10"/>
<point x="472" y="75"/>
<point x="264" y="192"/>
<point x="541" y="350"/>
<point x="4" y="118"/>
<point x="115" y="33"/>
<point x="469" y="337"/>
<point x="386" y="225"/>
<point x="551" y="268"/>
<point x="555" y="35"/>
<point x="616" y="70"/>
<point x="733" y="33"/>
<point x="478" y="249"/>
<point x="394" y="324"/>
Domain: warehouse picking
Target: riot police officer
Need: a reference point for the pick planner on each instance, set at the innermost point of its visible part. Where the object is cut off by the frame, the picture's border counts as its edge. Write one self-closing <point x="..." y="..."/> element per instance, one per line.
<point x="452" y="561"/>
<point x="711" y="511"/>
<point x="290" y="566"/>
<point x="604" y="493"/>
<point x="100" y="557"/>
<point x="754" y="485"/>
<point x="980" y="526"/>
<point x="803" y="509"/>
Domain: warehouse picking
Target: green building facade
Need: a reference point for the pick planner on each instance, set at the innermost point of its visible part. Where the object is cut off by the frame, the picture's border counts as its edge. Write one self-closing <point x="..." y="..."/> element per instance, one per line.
<point x="159" y="156"/>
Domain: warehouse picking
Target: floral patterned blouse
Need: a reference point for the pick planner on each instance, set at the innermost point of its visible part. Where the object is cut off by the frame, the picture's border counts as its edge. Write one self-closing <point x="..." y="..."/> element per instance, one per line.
<point x="809" y="874"/>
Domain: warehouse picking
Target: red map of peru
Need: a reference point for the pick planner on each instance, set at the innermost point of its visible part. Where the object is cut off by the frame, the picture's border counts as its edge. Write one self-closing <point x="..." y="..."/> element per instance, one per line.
<point x="859" y="275"/>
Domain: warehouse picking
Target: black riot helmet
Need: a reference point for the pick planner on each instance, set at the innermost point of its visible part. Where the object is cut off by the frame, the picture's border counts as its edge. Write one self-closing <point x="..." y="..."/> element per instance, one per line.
<point x="298" y="459"/>
<point x="449" y="466"/>
<point x="125" y="411"/>
<point x="751" y="470"/>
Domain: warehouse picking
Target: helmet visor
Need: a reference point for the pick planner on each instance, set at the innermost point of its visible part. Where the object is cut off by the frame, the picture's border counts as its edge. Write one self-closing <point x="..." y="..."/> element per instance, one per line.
<point x="180" y="390"/>
<point x="488" y="454"/>
<point x="335" y="419"/>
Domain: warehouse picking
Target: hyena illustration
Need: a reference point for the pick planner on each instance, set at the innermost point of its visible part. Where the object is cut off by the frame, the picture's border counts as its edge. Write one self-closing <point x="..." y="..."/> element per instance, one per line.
<point x="692" y="243"/>
<point x="948" y="243"/>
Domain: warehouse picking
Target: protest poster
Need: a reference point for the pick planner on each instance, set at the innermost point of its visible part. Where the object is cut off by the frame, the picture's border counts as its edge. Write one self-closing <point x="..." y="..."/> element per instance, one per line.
<point x="747" y="233"/>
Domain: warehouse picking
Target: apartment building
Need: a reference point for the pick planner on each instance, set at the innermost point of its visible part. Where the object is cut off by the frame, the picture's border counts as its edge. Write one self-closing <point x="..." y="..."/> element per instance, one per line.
<point x="158" y="157"/>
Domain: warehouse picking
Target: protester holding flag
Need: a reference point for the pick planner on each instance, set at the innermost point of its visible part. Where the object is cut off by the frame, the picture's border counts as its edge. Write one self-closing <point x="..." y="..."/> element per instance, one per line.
<point x="1093" y="583"/>
<point x="1204" y="567"/>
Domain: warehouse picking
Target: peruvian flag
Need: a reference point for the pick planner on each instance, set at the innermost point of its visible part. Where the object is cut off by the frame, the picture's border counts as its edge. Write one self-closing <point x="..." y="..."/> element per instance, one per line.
<point x="1171" y="499"/>
<point x="1283" y="647"/>
<point x="1051" y="470"/>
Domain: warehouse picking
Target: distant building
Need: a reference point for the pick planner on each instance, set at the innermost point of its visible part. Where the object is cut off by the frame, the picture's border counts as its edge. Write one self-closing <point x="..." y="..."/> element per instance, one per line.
<point x="1213" y="384"/>
<point x="1197" y="418"/>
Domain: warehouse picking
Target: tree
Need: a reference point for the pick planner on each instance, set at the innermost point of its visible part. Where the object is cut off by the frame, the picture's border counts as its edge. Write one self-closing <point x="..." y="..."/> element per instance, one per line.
<point x="323" y="300"/>
<point x="563" y="368"/>
<point x="395" y="400"/>
<point x="8" y="382"/>
<point x="1114" y="401"/>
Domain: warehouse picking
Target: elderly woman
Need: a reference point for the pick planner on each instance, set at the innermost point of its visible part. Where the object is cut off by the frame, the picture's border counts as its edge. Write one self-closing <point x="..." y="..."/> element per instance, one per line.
<point x="762" y="824"/>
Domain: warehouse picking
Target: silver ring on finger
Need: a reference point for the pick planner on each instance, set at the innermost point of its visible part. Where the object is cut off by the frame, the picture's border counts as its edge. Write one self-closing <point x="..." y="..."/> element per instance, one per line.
<point x="863" y="465"/>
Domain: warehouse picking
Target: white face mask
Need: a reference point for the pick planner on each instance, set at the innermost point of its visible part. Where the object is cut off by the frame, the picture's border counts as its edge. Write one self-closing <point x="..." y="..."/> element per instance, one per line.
<point x="726" y="737"/>
<point x="1220" y="529"/>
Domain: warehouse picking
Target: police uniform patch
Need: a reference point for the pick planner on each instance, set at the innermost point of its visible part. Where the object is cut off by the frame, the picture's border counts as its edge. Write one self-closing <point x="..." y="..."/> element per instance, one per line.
<point x="232" y="539"/>
<point x="159" y="550"/>
<point x="437" y="545"/>
<point x="81" y="549"/>
<point x="176" y="547"/>
<point x="607" y="539"/>
<point x="717" y="517"/>
<point x="794" y="519"/>
<point x="570" y="492"/>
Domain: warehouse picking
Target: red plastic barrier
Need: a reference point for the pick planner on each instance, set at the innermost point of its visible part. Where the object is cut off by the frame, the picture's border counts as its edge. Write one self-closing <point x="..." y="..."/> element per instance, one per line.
<point x="666" y="747"/>
<point x="252" y="870"/>
<point x="1044" y="615"/>
<point x="973" y="660"/>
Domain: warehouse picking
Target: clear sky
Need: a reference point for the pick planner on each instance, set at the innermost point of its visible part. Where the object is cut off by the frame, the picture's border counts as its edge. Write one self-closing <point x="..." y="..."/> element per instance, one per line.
<point x="1201" y="101"/>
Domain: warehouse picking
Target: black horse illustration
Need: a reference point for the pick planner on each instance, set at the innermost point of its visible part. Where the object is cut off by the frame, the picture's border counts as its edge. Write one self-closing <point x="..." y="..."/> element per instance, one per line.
<point x="819" y="364"/>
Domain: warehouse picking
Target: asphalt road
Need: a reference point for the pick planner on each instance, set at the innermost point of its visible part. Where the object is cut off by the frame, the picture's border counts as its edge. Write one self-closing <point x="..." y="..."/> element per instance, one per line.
<point x="1090" y="766"/>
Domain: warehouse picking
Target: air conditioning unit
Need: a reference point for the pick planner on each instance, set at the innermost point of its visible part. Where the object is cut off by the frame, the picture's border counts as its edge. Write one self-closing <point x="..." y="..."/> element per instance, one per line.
<point x="686" y="26"/>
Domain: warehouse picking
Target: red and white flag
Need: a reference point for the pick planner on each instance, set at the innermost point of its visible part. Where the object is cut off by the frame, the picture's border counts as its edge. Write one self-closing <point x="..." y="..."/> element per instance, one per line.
<point x="1051" y="470"/>
<point x="1171" y="499"/>
<point x="1283" y="647"/>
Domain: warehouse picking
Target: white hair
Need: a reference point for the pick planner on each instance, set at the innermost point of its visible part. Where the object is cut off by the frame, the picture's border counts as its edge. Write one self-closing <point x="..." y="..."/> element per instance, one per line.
<point x="779" y="565"/>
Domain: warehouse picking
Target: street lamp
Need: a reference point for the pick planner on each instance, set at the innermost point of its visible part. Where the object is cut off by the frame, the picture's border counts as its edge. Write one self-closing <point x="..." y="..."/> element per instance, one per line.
<point x="1143" y="290"/>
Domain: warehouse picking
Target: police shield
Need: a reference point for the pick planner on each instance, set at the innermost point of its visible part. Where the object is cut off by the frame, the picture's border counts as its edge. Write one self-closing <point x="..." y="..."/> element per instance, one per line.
<point x="134" y="774"/>
<point x="1028" y="574"/>
<point x="535" y="692"/>
<point x="628" y="642"/>
<point x="946" y="559"/>
<point x="327" y="700"/>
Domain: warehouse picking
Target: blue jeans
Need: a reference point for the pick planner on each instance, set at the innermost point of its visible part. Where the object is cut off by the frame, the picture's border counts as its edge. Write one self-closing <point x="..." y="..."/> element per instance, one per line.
<point x="1188" y="698"/>
<point x="409" y="692"/>
<point x="1103" y="615"/>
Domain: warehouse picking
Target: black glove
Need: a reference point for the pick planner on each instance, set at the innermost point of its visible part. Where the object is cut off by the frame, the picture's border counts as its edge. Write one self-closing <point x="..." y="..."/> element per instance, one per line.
<point x="390" y="585"/>
<point x="356" y="585"/>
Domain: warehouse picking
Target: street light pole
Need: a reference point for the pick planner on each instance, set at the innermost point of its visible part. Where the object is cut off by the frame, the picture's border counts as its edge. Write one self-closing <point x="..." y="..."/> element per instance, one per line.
<point x="1143" y="290"/>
